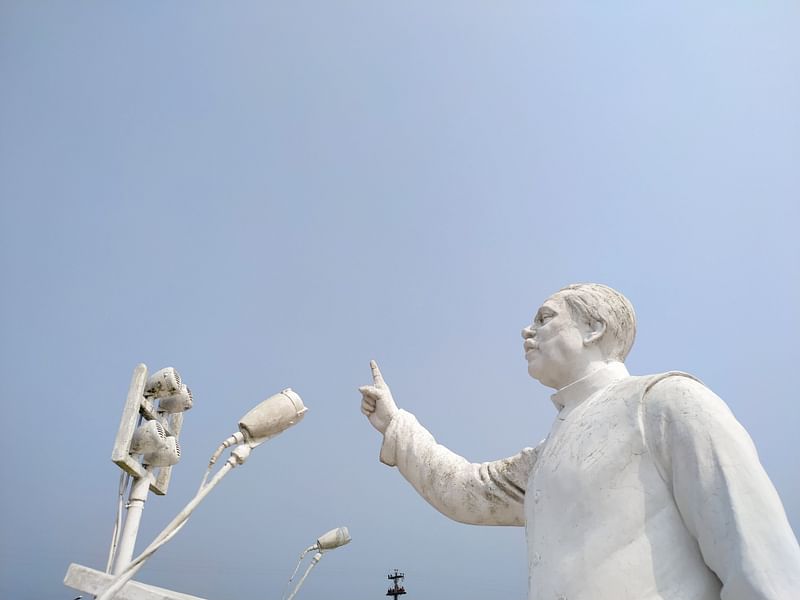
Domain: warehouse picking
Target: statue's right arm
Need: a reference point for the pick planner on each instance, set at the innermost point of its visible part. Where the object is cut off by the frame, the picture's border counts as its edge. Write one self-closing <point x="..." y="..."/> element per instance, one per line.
<point x="490" y="493"/>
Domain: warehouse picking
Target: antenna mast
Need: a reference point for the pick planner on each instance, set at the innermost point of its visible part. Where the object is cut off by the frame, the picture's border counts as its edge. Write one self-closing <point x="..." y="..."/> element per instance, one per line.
<point x="396" y="589"/>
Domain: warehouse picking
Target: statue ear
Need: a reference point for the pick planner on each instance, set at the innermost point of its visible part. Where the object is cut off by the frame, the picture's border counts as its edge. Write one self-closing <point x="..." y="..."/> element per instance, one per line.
<point x="594" y="331"/>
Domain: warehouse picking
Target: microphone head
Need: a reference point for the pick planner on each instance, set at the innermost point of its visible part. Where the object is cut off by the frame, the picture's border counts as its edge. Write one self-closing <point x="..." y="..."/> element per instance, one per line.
<point x="179" y="401"/>
<point x="272" y="416"/>
<point x="148" y="437"/>
<point x="334" y="538"/>
<point x="156" y="447"/>
<point x="167" y="455"/>
<point x="162" y="383"/>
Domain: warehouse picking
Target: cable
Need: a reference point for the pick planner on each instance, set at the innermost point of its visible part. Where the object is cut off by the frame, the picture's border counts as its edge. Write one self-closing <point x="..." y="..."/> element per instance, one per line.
<point x="205" y="477"/>
<point x="236" y="438"/>
<point x="124" y="479"/>
<point x="314" y="561"/>
<point x="166" y="535"/>
<point x="297" y="567"/>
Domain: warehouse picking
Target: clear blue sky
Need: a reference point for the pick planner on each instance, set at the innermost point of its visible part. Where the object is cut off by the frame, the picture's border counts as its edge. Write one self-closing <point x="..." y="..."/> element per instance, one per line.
<point x="265" y="194"/>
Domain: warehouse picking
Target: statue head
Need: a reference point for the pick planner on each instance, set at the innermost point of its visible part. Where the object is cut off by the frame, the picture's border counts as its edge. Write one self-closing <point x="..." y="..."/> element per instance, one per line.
<point x="598" y="302"/>
<point x="577" y="328"/>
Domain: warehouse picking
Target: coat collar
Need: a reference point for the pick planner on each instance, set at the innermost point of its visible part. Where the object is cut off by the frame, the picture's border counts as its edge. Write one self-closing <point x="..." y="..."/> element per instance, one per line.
<point x="576" y="392"/>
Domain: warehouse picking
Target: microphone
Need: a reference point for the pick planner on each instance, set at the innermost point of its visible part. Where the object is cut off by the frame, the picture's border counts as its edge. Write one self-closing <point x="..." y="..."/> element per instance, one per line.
<point x="178" y="402"/>
<point x="166" y="386"/>
<point x="333" y="539"/>
<point x="156" y="447"/>
<point x="327" y="541"/>
<point x="162" y="383"/>
<point x="274" y="415"/>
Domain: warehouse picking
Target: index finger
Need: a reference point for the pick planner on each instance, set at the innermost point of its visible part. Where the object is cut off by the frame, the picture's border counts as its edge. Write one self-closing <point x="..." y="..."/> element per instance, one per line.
<point x="377" y="378"/>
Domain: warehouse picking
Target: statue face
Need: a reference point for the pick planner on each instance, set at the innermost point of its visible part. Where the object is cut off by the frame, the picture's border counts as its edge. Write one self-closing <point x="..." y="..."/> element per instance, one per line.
<point x="554" y="344"/>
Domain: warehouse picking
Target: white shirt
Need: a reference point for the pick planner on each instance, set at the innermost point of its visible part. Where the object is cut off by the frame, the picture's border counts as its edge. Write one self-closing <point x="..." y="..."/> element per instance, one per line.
<point x="646" y="488"/>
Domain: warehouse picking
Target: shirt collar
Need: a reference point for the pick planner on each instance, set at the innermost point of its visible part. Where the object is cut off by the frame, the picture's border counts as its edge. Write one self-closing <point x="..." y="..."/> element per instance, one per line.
<point x="578" y="391"/>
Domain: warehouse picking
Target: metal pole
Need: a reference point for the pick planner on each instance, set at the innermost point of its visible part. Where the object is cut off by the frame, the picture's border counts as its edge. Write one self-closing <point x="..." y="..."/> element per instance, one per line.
<point x="127" y="540"/>
<point x="238" y="456"/>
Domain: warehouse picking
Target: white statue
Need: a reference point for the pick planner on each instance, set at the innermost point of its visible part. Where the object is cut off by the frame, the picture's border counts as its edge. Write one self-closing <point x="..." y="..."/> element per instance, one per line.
<point x="645" y="488"/>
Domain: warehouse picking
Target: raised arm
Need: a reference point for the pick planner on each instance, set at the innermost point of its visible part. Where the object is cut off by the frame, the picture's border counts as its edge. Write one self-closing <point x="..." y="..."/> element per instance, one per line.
<point x="489" y="493"/>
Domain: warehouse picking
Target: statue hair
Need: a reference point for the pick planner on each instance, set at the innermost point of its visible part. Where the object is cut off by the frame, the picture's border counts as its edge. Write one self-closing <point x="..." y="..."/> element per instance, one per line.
<point x="594" y="301"/>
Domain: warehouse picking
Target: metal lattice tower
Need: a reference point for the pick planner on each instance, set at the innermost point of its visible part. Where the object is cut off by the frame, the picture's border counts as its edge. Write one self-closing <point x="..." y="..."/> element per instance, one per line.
<point x="396" y="589"/>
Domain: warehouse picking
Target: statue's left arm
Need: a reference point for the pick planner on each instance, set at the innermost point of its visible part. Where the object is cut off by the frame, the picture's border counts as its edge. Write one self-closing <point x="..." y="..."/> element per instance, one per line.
<point x="725" y="497"/>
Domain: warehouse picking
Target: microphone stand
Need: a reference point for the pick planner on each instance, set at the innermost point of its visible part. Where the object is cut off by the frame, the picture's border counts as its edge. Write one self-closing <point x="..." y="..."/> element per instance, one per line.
<point x="314" y="561"/>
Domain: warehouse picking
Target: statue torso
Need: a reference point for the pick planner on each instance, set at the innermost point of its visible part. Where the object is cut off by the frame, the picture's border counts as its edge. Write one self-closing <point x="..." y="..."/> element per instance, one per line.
<point x="601" y="521"/>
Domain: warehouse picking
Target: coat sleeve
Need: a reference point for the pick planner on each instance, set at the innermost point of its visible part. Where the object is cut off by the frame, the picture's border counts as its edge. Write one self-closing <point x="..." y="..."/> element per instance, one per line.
<point x="724" y="496"/>
<point x="490" y="493"/>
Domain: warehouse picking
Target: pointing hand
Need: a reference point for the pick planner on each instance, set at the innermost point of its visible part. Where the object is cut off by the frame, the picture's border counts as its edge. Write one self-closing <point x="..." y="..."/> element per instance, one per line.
<point x="376" y="400"/>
